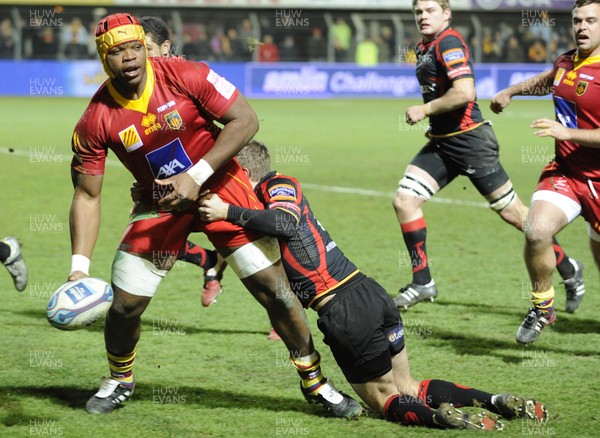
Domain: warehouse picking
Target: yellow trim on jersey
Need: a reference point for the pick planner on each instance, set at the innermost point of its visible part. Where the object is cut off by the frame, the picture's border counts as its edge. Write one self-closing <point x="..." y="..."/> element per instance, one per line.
<point x="140" y="105"/>
<point x="328" y="291"/>
<point x="452" y="134"/>
<point x="578" y="63"/>
<point x="290" y="211"/>
<point x="463" y="79"/>
<point x="246" y="186"/>
<point x="238" y="180"/>
<point x="76" y="142"/>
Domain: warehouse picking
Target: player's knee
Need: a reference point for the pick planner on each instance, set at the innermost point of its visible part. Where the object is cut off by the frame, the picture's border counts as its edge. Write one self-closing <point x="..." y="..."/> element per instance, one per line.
<point x="412" y="192"/>
<point x="502" y="201"/>
<point x="538" y="232"/>
<point x="126" y="309"/>
<point x="514" y="216"/>
<point x="405" y="382"/>
<point x="509" y="207"/>
<point x="401" y="202"/>
<point x="134" y="277"/>
<point x="252" y="258"/>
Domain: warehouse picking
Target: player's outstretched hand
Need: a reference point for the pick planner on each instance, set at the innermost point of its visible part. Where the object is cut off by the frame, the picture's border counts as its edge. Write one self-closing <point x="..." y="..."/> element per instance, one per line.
<point x="212" y="208"/>
<point x="500" y="101"/>
<point x="184" y="192"/>
<point x="550" y="128"/>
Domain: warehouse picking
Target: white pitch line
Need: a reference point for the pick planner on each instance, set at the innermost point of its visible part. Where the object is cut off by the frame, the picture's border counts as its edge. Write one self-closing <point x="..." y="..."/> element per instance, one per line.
<point x="53" y="158"/>
<point x="363" y="192"/>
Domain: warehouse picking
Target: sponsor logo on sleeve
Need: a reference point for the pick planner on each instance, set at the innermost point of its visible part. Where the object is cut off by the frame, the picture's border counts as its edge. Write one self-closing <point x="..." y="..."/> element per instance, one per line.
<point x="396" y="335"/>
<point x="460" y="71"/>
<point x="222" y="85"/>
<point x="131" y="139"/>
<point x="287" y="206"/>
<point x="282" y="192"/>
<point x="454" y="56"/>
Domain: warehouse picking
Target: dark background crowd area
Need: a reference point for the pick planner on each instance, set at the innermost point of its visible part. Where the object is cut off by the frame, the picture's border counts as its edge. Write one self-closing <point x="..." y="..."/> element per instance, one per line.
<point x="275" y="35"/>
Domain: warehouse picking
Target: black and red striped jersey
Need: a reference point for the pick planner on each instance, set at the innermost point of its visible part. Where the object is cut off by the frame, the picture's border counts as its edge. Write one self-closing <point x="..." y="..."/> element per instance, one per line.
<point x="440" y="63"/>
<point x="312" y="260"/>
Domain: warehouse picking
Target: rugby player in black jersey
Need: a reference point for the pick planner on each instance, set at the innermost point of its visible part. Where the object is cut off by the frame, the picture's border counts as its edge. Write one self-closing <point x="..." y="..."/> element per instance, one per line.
<point x="360" y="321"/>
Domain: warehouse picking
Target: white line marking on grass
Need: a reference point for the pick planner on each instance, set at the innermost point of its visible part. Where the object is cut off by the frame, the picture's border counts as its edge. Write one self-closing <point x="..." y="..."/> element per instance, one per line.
<point x="364" y="192"/>
<point x="331" y="189"/>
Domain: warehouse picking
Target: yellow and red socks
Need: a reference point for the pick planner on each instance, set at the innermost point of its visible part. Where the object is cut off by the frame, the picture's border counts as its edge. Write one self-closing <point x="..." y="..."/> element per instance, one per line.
<point x="435" y="392"/>
<point x="309" y="369"/>
<point x="121" y="367"/>
<point x="544" y="301"/>
<point x="415" y="234"/>
<point x="409" y="411"/>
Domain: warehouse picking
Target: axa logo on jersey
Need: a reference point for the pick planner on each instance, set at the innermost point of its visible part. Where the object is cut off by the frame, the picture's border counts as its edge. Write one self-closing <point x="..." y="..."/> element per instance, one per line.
<point x="168" y="160"/>
<point x="170" y="169"/>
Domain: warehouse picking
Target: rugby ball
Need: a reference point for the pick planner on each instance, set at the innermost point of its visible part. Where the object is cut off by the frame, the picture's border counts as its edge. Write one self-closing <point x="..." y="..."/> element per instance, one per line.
<point x="80" y="303"/>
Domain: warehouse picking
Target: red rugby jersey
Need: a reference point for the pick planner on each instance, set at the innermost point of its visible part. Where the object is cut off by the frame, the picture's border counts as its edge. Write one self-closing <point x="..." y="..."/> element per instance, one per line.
<point x="576" y="92"/>
<point x="164" y="132"/>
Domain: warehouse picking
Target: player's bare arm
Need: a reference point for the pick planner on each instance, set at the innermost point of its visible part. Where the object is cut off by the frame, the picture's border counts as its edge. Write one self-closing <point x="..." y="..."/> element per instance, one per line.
<point x="552" y="128"/>
<point x="460" y="94"/>
<point x="84" y="216"/>
<point x="539" y="85"/>
<point x="240" y="124"/>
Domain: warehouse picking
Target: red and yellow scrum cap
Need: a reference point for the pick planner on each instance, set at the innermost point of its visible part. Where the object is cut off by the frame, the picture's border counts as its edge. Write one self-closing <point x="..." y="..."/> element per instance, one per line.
<point x="117" y="29"/>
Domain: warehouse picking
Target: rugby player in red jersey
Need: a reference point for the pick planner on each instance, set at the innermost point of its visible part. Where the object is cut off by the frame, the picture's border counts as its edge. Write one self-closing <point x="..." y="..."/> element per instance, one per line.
<point x="461" y="142"/>
<point x="569" y="185"/>
<point x="359" y="320"/>
<point x="158" y="118"/>
<point x="159" y="45"/>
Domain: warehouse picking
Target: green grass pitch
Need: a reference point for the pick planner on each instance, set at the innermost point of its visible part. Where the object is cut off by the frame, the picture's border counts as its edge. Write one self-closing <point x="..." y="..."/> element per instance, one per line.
<point x="211" y="371"/>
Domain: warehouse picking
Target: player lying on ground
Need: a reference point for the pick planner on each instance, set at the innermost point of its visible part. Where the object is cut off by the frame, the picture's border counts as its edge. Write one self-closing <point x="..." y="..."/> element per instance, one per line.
<point x="359" y="320"/>
<point x="138" y="114"/>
